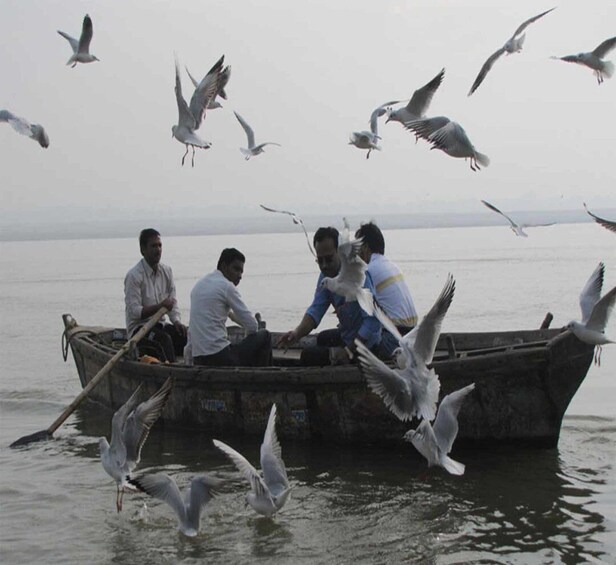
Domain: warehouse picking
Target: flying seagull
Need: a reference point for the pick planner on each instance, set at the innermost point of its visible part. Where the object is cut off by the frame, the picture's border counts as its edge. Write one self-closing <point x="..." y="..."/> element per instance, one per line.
<point x="513" y="45"/>
<point x="224" y="79"/>
<point x="450" y="138"/>
<point x="607" y="224"/>
<point x="130" y="427"/>
<point x="594" y="60"/>
<point x="23" y="126"/>
<point x="517" y="229"/>
<point x="370" y="139"/>
<point x="252" y="149"/>
<point x="419" y="102"/>
<point x="595" y="312"/>
<point x="269" y="493"/>
<point x="434" y="442"/>
<point x="296" y="220"/>
<point x="410" y="389"/>
<point x="191" y="117"/>
<point x="187" y="509"/>
<point x="81" y="48"/>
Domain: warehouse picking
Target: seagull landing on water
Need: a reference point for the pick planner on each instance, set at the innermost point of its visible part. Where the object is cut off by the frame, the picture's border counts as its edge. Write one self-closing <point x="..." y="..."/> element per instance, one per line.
<point x="607" y="224"/>
<point x="450" y="138"/>
<point x="595" y="312"/>
<point x="434" y="442"/>
<point x="517" y="229"/>
<point x="513" y="45"/>
<point x="594" y="60"/>
<point x="130" y="427"/>
<point x="213" y="104"/>
<point x="191" y="117"/>
<point x="370" y="139"/>
<point x="296" y="220"/>
<point x="187" y="509"/>
<point x="81" y="48"/>
<point x="270" y="493"/>
<point x="418" y="104"/>
<point x="23" y="126"/>
<point x="252" y="149"/>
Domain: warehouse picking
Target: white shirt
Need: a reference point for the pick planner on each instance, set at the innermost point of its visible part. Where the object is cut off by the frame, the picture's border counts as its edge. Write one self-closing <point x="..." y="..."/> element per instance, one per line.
<point x="211" y="300"/>
<point x="392" y="294"/>
<point x="143" y="286"/>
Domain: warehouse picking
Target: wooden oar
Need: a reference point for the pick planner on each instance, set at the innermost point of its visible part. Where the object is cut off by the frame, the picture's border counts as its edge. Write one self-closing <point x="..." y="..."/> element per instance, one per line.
<point x="48" y="433"/>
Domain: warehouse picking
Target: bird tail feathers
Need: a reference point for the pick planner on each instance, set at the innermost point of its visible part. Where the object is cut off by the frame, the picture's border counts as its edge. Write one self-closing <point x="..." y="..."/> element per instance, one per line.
<point x="608" y="69"/>
<point x="452" y="466"/>
<point x="482" y="159"/>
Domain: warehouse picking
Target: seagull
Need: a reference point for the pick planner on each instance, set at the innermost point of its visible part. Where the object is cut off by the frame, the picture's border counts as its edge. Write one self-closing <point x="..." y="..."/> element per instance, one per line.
<point x="419" y="102"/>
<point x="296" y="220"/>
<point x="224" y="79"/>
<point x="594" y="60"/>
<point x="191" y="117"/>
<point x="350" y="279"/>
<point x="130" y="427"/>
<point x="23" y="126"/>
<point x="188" y="509"/>
<point x="595" y="312"/>
<point x="435" y="442"/>
<point x="369" y="139"/>
<point x="513" y="45"/>
<point x="81" y="48"/>
<point x="449" y="137"/>
<point x="411" y="389"/>
<point x="252" y="149"/>
<point x="517" y="229"/>
<point x="605" y="223"/>
<point x="268" y="493"/>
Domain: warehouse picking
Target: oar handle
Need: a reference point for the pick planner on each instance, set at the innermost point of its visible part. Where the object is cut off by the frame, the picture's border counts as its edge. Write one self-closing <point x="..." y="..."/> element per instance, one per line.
<point x="107" y="368"/>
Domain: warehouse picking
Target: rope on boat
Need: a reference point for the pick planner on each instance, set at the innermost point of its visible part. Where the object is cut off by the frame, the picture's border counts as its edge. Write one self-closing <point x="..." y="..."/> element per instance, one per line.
<point x="66" y="339"/>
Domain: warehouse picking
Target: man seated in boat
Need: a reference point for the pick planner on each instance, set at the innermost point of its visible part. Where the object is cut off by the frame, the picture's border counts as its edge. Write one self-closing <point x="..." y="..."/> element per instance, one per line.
<point x="149" y="286"/>
<point x="336" y="345"/>
<point x="391" y="291"/>
<point x="213" y="299"/>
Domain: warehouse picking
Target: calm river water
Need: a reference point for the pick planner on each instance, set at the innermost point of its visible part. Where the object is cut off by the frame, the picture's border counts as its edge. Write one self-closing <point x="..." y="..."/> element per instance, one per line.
<point x="348" y="505"/>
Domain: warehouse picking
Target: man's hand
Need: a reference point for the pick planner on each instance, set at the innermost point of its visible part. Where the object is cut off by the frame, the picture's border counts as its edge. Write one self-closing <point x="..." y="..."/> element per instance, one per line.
<point x="287" y="339"/>
<point x="168" y="303"/>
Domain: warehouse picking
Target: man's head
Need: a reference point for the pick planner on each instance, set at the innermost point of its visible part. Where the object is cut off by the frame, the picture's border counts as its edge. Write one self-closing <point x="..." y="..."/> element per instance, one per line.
<point x="231" y="264"/>
<point x="151" y="246"/>
<point x="326" y="247"/>
<point x="373" y="241"/>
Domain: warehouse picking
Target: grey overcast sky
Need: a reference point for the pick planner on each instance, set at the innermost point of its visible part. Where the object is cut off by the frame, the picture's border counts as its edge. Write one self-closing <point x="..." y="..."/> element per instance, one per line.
<point x="304" y="74"/>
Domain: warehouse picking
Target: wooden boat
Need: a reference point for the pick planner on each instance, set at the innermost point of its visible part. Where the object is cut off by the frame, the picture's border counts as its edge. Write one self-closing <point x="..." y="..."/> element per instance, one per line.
<point x="524" y="383"/>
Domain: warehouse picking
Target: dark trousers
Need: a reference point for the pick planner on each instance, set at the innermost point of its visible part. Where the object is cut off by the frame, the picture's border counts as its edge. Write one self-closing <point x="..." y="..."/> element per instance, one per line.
<point x="163" y="342"/>
<point x="255" y="350"/>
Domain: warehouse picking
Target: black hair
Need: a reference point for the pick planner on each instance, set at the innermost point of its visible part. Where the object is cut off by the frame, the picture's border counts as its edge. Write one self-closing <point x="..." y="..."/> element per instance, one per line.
<point x="145" y="236"/>
<point x="326" y="233"/>
<point x="229" y="255"/>
<point x="372" y="237"/>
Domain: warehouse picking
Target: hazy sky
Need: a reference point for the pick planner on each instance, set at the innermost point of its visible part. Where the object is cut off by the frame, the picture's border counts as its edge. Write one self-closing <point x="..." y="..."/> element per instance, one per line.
<point x="304" y="74"/>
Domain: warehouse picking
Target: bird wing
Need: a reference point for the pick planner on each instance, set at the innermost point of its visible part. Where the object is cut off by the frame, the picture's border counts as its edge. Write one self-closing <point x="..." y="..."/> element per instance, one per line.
<point x="377" y="113"/>
<point x="249" y="133"/>
<point x="446" y="424"/>
<point x="192" y="78"/>
<point x="261" y="145"/>
<point x="601" y="312"/>
<point x="296" y="220"/>
<point x="257" y="484"/>
<point x="74" y="43"/>
<point x="162" y="487"/>
<point x="6" y="116"/>
<point x="39" y="134"/>
<point x="205" y="92"/>
<point x="390" y="384"/>
<point x="605" y="47"/>
<point x="426" y="127"/>
<point x="225" y="75"/>
<point x="485" y="69"/>
<point x="424" y="441"/>
<point x="86" y="35"/>
<point x="202" y="489"/>
<point x="525" y="24"/>
<point x="272" y="465"/>
<point x="418" y="105"/>
<point x="591" y="293"/>
<point x="20" y="125"/>
<point x="427" y="332"/>
<point x="495" y="209"/>
<point x="602" y="221"/>
<point x="140" y="421"/>
<point x="119" y="419"/>
<point x="185" y="116"/>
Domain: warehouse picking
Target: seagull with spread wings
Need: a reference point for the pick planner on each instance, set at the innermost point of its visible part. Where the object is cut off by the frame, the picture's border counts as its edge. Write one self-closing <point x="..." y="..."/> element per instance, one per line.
<point x="370" y="139"/>
<point x="418" y="104"/>
<point x="23" y="126"/>
<point x="296" y="220"/>
<point x="252" y="148"/>
<point x="594" y="59"/>
<point x="81" y="48"/>
<point x="607" y="224"/>
<point x="516" y="228"/>
<point x="513" y="45"/>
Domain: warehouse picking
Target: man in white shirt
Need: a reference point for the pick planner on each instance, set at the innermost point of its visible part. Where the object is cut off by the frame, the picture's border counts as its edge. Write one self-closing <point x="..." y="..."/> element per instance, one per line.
<point x="213" y="299"/>
<point x="392" y="293"/>
<point x="149" y="286"/>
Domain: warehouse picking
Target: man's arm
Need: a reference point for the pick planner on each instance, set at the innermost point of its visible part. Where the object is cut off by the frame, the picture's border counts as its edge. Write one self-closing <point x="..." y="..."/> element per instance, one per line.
<point x="242" y="315"/>
<point x="304" y="328"/>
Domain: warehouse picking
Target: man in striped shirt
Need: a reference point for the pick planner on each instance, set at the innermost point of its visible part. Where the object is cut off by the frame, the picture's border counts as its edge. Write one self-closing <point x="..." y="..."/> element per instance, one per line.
<point x="392" y="294"/>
